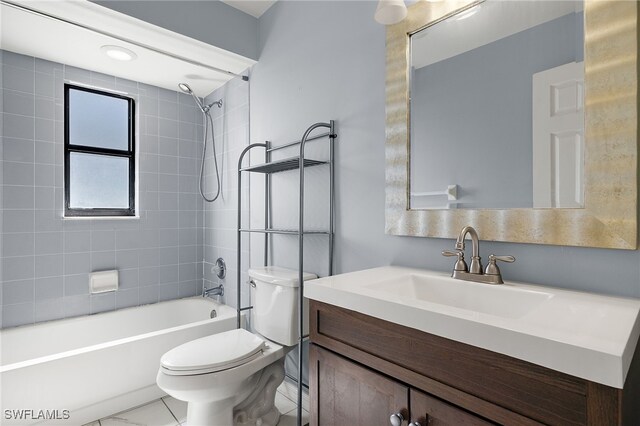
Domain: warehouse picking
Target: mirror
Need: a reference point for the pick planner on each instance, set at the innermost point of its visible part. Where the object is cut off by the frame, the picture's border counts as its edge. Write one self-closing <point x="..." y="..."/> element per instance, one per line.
<point x="497" y="107"/>
<point x="463" y="148"/>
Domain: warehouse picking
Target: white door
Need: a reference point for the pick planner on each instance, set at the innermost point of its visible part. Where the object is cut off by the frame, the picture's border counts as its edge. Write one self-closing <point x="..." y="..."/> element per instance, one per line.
<point x="558" y="137"/>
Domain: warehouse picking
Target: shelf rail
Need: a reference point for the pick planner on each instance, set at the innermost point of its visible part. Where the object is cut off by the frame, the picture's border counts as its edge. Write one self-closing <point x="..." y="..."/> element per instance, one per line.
<point x="288" y="145"/>
<point x="268" y="168"/>
<point x="239" y="308"/>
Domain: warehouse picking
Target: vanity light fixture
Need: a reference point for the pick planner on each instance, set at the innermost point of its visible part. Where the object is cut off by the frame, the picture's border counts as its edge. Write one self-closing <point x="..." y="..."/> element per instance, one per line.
<point x="118" y="53"/>
<point x="390" y="12"/>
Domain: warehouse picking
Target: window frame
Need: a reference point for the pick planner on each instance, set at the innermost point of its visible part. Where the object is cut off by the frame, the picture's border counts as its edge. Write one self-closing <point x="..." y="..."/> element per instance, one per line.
<point x="130" y="153"/>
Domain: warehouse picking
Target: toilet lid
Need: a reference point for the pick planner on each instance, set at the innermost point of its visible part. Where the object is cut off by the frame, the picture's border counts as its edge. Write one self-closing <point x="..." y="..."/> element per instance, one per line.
<point x="213" y="353"/>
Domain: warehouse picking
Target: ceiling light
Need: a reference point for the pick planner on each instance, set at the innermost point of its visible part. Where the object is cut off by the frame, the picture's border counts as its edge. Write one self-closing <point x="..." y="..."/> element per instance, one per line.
<point x="390" y="12"/>
<point x="118" y="53"/>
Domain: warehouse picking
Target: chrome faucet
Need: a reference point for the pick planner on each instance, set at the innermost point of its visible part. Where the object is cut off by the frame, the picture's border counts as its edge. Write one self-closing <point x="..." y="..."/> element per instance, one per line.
<point x="491" y="274"/>
<point x="213" y="291"/>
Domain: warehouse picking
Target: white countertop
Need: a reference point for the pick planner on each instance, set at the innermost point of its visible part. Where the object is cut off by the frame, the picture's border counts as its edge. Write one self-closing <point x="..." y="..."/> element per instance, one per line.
<point x="585" y="335"/>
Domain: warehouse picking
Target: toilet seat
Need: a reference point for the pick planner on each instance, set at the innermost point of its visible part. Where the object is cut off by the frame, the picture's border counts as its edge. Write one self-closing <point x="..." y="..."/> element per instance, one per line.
<point x="213" y="353"/>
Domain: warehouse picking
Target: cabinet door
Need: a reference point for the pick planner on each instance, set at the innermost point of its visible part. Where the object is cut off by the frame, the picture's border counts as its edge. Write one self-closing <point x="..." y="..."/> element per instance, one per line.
<point x="345" y="393"/>
<point x="429" y="411"/>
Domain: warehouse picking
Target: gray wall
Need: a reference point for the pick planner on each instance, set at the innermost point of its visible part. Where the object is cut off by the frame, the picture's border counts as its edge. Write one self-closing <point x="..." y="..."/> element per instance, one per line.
<point x="323" y="60"/>
<point x="471" y="116"/>
<point x="212" y="22"/>
<point x="45" y="259"/>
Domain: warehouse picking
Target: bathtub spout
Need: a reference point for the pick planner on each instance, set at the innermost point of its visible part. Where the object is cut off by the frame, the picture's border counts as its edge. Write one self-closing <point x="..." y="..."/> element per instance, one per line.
<point x="213" y="291"/>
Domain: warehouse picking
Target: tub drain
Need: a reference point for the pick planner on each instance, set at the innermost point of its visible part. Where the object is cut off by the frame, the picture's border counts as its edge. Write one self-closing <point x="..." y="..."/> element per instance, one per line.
<point x="213" y="313"/>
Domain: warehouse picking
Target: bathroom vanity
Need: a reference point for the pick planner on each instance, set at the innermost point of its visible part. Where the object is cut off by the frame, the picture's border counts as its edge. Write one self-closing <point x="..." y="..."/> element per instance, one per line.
<point x="408" y="347"/>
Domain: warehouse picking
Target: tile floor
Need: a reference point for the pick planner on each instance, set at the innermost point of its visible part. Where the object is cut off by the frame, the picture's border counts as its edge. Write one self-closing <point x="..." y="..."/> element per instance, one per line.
<point x="169" y="411"/>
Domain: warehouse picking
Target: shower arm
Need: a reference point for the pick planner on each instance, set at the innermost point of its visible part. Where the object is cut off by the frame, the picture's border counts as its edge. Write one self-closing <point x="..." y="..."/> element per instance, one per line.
<point x="204" y="108"/>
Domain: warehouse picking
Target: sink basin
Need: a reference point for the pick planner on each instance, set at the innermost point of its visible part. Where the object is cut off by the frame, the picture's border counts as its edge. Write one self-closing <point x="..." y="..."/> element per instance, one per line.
<point x="585" y="335"/>
<point x="501" y="300"/>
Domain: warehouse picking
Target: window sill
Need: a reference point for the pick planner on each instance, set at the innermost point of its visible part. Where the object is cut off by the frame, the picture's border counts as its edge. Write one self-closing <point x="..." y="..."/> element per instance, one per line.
<point x="101" y="217"/>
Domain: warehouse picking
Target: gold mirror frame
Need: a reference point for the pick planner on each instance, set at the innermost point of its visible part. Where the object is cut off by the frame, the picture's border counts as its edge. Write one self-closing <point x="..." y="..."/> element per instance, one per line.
<point x="609" y="217"/>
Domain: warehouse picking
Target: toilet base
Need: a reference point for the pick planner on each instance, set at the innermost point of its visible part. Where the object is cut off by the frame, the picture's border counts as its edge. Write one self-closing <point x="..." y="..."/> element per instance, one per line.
<point x="219" y="413"/>
<point x="256" y="409"/>
<point x="259" y="407"/>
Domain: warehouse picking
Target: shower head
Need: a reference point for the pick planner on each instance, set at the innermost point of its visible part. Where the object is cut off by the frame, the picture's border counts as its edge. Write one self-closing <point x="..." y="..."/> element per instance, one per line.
<point x="205" y="108"/>
<point x="185" y="88"/>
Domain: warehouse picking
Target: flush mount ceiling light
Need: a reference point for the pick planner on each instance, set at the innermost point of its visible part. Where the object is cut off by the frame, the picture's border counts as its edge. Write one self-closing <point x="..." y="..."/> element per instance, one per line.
<point x="390" y="12"/>
<point x="118" y="53"/>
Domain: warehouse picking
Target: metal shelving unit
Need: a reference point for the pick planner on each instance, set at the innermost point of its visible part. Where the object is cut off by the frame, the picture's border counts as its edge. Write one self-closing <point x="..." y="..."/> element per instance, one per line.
<point x="268" y="168"/>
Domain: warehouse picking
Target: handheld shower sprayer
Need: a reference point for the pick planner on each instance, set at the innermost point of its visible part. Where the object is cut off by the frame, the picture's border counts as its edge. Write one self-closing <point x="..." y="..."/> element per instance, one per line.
<point x="185" y="88"/>
<point x="207" y="121"/>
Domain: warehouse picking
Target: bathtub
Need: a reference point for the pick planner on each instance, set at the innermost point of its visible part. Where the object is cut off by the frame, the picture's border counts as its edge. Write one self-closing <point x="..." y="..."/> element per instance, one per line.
<point x="82" y="369"/>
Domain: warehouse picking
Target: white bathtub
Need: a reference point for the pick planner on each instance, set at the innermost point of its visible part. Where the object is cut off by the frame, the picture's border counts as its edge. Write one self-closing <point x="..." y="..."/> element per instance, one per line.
<point x="100" y="364"/>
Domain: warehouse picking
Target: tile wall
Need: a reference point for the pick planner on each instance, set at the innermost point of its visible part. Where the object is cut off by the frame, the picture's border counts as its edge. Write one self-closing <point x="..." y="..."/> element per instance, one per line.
<point x="231" y="124"/>
<point x="46" y="260"/>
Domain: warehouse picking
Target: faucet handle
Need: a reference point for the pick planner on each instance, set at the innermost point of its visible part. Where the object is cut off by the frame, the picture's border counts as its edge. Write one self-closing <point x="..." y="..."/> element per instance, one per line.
<point x="508" y="259"/>
<point x="492" y="268"/>
<point x="460" y="265"/>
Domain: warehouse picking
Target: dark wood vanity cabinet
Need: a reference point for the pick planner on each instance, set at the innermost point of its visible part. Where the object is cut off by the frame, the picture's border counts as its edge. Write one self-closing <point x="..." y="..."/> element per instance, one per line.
<point x="349" y="394"/>
<point x="363" y="369"/>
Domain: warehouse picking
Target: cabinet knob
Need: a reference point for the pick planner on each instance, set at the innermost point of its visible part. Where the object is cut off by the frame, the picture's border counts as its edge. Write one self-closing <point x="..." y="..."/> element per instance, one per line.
<point x="396" y="419"/>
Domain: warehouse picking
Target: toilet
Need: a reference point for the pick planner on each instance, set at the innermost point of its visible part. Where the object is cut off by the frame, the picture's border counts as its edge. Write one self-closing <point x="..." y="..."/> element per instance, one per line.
<point x="231" y="378"/>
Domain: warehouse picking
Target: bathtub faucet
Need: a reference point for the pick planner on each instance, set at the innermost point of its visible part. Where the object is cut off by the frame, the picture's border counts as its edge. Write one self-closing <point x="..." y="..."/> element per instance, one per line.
<point x="213" y="291"/>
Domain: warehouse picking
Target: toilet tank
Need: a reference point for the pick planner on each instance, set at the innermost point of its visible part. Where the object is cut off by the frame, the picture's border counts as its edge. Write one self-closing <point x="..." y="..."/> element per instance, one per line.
<point x="274" y="297"/>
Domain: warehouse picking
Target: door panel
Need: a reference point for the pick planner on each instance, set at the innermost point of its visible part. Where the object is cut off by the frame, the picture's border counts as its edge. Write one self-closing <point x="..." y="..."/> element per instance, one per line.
<point x="345" y="393"/>
<point x="558" y="137"/>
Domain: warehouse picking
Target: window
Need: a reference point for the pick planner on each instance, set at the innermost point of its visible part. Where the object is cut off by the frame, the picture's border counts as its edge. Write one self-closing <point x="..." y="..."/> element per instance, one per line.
<point x="99" y="153"/>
